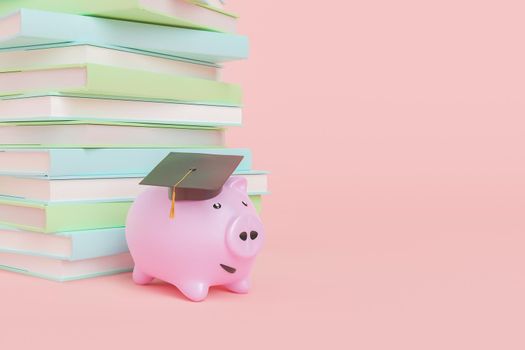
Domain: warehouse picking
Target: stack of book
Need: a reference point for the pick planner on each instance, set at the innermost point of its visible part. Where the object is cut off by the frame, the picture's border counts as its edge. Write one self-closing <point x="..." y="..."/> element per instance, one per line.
<point x="93" y="95"/>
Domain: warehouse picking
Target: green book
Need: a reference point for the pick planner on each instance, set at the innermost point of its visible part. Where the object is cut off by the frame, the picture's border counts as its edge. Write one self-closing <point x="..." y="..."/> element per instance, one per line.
<point x="62" y="217"/>
<point x="51" y="217"/>
<point x="178" y="13"/>
<point x="93" y="80"/>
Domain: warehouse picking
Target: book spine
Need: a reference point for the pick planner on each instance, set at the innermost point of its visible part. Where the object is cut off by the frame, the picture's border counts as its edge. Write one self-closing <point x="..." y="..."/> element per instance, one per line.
<point x="94" y="244"/>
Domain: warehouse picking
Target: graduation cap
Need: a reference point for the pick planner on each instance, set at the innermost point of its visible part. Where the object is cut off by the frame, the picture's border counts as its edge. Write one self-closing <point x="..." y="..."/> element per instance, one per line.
<point x="192" y="176"/>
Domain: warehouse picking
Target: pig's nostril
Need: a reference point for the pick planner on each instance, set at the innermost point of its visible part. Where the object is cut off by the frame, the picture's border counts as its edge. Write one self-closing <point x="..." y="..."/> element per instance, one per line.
<point x="243" y="236"/>
<point x="253" y="235"/>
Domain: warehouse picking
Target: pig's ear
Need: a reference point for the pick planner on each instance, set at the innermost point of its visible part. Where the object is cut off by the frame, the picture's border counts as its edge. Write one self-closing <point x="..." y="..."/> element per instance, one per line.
<point x="238" y="183"/>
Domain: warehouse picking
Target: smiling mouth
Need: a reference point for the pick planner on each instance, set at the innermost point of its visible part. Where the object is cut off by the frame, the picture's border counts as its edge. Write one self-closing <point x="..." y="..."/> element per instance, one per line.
<point x="228" y="269"/>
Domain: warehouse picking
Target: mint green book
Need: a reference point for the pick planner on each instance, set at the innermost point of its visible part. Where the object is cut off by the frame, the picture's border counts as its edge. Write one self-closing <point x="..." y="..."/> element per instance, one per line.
<point x="92" y="80"/>
<point x="53" y="217"/>
<point x="178" y="13"/>
<point x="62" y="217"/>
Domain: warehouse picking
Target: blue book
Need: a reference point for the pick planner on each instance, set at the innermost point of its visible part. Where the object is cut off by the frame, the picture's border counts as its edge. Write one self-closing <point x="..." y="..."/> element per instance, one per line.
<point x="33" y="28"/>
<point x="97" y="162"/>
<point x="71" y="246"/>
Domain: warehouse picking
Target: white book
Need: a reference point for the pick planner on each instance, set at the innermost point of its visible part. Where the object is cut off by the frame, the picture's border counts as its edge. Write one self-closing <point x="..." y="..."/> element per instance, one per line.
<point x="55" y="190"/>
<point x="63" y="108"/>
<point x="218" y="4"/>
<point x="84" y="54"/>
<point x="64" y="270"/>
<point x="84" y="135"/>
<point x="214" y="17"/>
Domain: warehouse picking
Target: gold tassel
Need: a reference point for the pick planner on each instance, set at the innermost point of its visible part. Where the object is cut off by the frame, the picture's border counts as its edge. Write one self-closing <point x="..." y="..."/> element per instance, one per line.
<point x="172" y="210"/>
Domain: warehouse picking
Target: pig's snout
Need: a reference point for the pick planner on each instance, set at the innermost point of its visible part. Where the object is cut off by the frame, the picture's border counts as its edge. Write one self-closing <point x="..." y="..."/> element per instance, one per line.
<point x="245" y="236"/>
<point x="253" y="235"/>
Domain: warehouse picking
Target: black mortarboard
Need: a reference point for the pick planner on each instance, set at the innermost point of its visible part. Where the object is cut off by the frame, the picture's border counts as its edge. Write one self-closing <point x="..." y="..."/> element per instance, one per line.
<point x="192" y="176"/>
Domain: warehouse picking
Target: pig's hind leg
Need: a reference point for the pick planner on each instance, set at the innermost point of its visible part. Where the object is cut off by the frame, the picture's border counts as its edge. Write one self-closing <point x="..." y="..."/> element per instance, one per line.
<point x="240" y="287"/>
<point x="195" y="291"/>
<point x="140" y="277"/>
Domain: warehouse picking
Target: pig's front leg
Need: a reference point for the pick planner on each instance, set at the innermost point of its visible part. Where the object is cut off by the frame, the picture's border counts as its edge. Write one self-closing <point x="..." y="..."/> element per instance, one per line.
<point x="140" y="277"/>
<point x="241" y="287"/>
<point x="195" y="291"/>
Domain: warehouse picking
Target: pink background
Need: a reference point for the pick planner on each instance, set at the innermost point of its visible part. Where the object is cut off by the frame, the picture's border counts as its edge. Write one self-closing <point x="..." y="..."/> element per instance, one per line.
<point x="394" y="131"/>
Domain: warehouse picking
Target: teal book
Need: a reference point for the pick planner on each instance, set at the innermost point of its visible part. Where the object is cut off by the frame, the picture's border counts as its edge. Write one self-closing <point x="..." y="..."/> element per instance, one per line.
<point x="72" y="246"/>
<point x="94" y="80"/>
<point x="34" y="28"/>
<point x="179" y="13"/>
<point x="98" y="162"/>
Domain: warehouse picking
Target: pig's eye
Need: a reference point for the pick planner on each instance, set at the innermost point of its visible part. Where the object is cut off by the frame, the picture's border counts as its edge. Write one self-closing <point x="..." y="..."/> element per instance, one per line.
<point x="244" y="203"/>
<point x="217" y="206"/>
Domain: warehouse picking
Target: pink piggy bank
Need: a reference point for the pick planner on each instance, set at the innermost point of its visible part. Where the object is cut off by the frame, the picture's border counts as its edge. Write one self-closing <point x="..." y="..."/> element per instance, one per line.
<point x="209" y="242"/>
